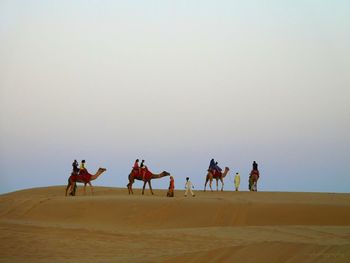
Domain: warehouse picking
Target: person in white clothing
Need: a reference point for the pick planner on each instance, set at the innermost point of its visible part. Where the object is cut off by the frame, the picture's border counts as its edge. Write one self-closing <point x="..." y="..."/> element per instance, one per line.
<point x="188" y="187"/>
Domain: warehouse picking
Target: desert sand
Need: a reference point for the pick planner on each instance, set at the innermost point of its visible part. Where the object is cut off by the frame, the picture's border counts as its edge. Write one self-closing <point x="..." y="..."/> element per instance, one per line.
<point x="42" y="225"/>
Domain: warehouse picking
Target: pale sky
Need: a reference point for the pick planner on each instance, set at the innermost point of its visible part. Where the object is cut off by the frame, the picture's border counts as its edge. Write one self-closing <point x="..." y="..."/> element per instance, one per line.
<point x="176" y="83"/>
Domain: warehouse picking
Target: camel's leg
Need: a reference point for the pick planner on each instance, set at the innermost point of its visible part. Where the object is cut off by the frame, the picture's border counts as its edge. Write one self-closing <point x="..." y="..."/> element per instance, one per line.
<point x="150" y="187"/>
<point x="143" y="188"/>
<point x="217" y="184"/>
<point x="91" y="188"/>
<point x="71" y="188"/>
<point x="210" y="183"/>
<point x="68" y="186"/>
<point x="132" y="192"/>
<point x="74" y="191"/>
<point x="128" y="186"/>
<point x="131" y="181"/>
<point x="84" y="188"/>
<point x="205" y="185"/>
<point x="222" y="184"/>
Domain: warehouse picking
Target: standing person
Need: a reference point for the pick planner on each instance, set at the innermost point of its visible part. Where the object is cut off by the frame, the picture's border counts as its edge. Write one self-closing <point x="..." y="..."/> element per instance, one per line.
<point x="75" y="165"/>
<point x="237" y="181"/>
<point x="188" y="187"/>
<point x="171" y="187"/>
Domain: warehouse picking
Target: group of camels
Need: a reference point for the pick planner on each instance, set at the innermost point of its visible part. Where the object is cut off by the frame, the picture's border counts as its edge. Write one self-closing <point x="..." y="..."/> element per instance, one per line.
<point x="136" y="175"/>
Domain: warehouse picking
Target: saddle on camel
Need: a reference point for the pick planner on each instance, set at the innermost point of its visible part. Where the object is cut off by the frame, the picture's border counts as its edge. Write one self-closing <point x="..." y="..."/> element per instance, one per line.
<point x="142" y="174"/>
<point x="82" y="176"/>
<point x="216" y="173"/>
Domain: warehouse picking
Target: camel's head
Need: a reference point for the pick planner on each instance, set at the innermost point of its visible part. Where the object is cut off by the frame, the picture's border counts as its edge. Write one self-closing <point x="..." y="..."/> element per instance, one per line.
<point x="226" y="168"/>
<point x="165" y="173"/>
<point x="102" y="170"/>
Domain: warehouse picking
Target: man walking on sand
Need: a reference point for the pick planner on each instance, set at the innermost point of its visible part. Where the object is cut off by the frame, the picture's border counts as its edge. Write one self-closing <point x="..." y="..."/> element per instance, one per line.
<point x="188" y="187"/>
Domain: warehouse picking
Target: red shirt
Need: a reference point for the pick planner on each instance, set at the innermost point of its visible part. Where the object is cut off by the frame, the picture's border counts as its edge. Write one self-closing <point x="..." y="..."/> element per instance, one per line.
<point x="136" y="165"/>
<point x="172" y="184"/>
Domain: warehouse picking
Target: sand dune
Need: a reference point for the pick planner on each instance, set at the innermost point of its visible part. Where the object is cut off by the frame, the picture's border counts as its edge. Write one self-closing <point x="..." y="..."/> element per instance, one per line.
<point x="41" y="225"/>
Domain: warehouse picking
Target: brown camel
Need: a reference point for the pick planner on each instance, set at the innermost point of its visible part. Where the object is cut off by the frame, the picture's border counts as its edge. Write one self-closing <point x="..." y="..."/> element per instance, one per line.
<point x="217" y="176"/>
<point x="85" y="178"/>
<point x="135" y="175"/>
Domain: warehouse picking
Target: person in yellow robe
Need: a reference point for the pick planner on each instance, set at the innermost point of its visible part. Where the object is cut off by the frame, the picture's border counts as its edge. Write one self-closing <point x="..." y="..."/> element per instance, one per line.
<point x="237" y="181"/>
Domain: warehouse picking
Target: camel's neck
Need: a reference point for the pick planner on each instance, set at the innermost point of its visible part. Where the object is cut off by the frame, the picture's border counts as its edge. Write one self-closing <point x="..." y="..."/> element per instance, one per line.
<point x="225" y="173"/>
<point x="98" y="173"/>
<point x="156" y="176"/>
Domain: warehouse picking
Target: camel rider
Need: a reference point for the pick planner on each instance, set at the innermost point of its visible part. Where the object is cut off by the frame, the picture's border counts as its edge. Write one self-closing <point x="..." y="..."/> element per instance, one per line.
<point x="255" y="169"/>
<point x="217" y="167"/>
<point x="143" y="169"/>
<point x="255" y="166"/>
<point x="211" y="165"/>
<point x="136" y="164"/>
<point x="82" y="168"/>
<point x="75" y="165"/>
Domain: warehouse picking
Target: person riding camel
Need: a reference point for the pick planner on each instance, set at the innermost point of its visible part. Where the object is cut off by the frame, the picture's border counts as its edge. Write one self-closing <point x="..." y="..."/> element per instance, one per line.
<point x="255" y="166"/>
<point x="82" y="168"/>
<point x="253" y="177"/>
<point x="255" y="169"/>
<point x="143" y="170"/>
<point x="75" y="165"/>
<point x="136" y="164"/>
<point x="211" y="165"/>
<point x="217" y="167"/>
<point x="136" y="167"/>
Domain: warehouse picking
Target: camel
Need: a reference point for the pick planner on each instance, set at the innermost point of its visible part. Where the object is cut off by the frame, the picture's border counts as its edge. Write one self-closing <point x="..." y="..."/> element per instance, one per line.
<point x="85" y="179"/>
<point x="253" y="180"/>
<point x="220" y="176"/>
<point x="135" y="175"/>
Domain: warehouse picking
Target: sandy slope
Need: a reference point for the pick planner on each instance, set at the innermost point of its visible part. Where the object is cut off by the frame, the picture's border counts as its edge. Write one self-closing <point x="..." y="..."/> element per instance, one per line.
<point x="41" y="225"/>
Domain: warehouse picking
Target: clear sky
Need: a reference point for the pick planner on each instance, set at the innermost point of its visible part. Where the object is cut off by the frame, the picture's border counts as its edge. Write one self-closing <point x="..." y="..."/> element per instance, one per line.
<point x="176" y="83"/>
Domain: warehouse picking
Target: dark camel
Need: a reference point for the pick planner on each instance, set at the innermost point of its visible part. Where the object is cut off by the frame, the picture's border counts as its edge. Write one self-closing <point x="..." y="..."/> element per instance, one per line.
<point x="85" y="179"/>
